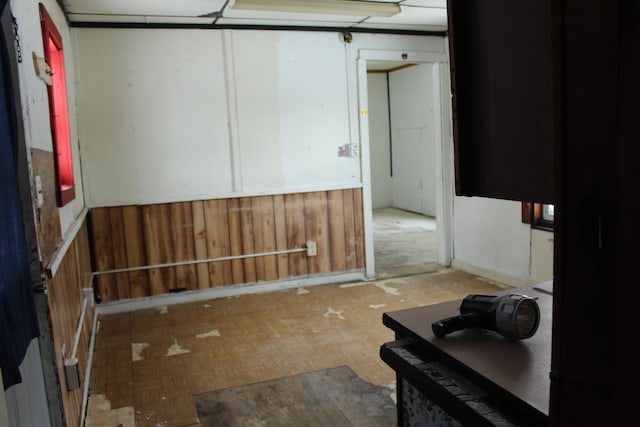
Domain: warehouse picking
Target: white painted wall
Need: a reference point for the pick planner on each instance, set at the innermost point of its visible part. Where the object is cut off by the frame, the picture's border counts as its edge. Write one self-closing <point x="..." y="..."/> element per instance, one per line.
<point x="541" y="255"/>
<point x="413" y="184"/>
<point x="413" y="139"/>
<point x="153" y="115"/>
<point x="168" y="115"/>
<point x="33" y="91"/>
<point x="292" y="110"/>
<point x="491" y="240"/>
<point x="379" y="140"/>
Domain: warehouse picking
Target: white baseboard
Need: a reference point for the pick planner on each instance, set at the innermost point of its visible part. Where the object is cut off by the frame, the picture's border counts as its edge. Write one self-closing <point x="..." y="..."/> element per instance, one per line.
<point x="224" y="292"/>
<point x="492" y="275"/>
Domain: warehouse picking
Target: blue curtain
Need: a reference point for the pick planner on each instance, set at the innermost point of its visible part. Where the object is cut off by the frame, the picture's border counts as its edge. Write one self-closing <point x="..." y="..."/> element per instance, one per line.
<point x="18" y="321"/>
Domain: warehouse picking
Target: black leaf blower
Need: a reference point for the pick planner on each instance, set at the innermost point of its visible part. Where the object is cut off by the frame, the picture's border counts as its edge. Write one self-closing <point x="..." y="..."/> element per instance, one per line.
<point x="514" y="316"/>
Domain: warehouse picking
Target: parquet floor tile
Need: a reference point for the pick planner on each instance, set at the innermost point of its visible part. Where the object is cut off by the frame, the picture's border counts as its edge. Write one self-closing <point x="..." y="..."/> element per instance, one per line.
<point x="154" y="360"/>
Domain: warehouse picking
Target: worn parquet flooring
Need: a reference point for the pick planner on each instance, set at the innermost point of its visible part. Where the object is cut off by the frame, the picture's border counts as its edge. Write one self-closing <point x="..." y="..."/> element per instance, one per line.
<point x="151" y="362"/>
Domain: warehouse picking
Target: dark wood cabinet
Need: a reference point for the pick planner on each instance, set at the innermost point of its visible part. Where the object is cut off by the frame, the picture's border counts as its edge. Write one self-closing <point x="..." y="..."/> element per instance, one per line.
<point x="505" y="69"/>
<point x="546" y="108"/>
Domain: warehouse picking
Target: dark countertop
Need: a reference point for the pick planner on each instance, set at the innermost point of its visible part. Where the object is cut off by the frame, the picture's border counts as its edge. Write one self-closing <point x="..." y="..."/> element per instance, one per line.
<point x="516" y="370"/>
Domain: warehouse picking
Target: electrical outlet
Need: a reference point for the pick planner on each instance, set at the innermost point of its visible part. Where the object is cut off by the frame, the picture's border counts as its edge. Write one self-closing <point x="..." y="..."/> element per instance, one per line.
<point x="354" y="150"/>
<point x="312" y="249"/>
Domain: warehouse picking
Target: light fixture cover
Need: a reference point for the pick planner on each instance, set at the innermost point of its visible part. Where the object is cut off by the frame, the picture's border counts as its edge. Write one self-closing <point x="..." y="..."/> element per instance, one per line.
<point x="323" y="7"/>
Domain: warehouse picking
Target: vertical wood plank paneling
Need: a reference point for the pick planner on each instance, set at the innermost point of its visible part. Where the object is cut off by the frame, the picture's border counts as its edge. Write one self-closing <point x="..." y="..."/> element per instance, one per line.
<point x="337" y="244"/>
<point x="349" y="230"/>
<point x="119" y="256"/>
<point x="296" y="235"/>
<point x="248" y="240"/>
<point x="200" y="243"/>
<point x="64" y="306"/>
<point x="317" y="228"/>
<point x="359" y="227"/>
<point x="49" y="233"/>
<point x="65" y="299"/>
<point x="217" y="224"/>
<point x="134" y="247"/>
<point x="158" y="247"/>
<point x="101" y="229"/>
<point x="83" y="255"/>
<point x="235" y="240"/>
<point x="183" y="244"/>
<point x="280" y="218"/>
<point x="132" y="236"/>
<point x="264" y="237"/>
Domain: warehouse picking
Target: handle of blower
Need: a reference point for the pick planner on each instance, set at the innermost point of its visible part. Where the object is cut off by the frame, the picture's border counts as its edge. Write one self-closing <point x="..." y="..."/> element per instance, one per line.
<point x="452" y="324"/>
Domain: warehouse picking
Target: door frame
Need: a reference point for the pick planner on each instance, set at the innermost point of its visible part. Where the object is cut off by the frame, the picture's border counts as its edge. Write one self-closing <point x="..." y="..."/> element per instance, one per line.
<point x="443" y="149"/>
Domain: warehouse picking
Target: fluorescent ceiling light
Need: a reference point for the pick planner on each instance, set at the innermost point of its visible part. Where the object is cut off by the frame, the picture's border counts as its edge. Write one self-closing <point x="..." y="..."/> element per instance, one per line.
<point x="324" y="7"/>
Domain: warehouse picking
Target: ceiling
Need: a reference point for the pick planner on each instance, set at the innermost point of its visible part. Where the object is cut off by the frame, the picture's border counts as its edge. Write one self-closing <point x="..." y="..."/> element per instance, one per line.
<point x="414" y="16"/>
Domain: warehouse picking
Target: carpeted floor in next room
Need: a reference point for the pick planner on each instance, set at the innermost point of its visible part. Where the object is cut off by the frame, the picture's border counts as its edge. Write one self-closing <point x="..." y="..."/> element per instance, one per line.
<point x="149" y="364"/>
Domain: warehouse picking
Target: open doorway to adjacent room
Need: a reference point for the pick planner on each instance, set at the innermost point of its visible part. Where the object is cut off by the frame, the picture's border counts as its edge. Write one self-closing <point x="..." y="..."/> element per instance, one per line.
<point x="403" y="136"/>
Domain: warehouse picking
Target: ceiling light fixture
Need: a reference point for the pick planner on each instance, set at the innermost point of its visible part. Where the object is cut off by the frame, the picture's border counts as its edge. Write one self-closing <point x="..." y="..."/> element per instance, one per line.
<point x="323" y="7"/>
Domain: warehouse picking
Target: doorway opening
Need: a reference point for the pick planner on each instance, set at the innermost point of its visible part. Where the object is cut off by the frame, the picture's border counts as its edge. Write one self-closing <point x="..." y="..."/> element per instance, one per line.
<point x="405" y="148"/>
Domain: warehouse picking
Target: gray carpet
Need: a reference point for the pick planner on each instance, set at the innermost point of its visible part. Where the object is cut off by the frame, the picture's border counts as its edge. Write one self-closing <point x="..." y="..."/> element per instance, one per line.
<point x="333" y="397"/>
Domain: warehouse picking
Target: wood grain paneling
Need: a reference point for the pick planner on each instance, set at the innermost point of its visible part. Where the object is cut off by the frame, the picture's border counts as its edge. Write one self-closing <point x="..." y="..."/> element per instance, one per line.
<point x="247" y="240"/>
<point x="49" y="233"/>
<point x="281" y="236"/>
<point x="200" y="243"/>
<point x="264" y="237"/>
<point x="358" y="231"/>
<point x="337" y="239"/>
<point x="66" y="298"/>
<point x="159" y="247"/>
<point x="350" y="230"/>
<point x="218" y="244"/>
<point x="135" y="236"/>
<point x="103" y="253"/>
<point x="317" y="225"/>
<point x="235" y="240"/>
<point x="83" y="255"/>
<point x="296" y="234"/>
<point x="134" y="247"/>
<point x="119" y="257"/>
<point x="183" y="244"/>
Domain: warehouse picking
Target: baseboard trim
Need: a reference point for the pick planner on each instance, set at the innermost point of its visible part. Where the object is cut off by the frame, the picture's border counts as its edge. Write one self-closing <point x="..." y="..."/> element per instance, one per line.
<point x="224" y="292"/>
<point x="499" y="278"/>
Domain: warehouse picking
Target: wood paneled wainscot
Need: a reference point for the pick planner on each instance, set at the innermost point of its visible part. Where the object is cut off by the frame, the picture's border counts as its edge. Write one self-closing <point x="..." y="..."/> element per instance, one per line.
<point x="66" y="302"/>
<point x="128" y="237"/>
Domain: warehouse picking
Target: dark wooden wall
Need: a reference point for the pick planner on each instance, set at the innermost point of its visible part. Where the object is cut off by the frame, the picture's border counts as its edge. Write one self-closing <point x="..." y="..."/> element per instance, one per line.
<point x="147" y="235"/>
<point x="66" y="298"/>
